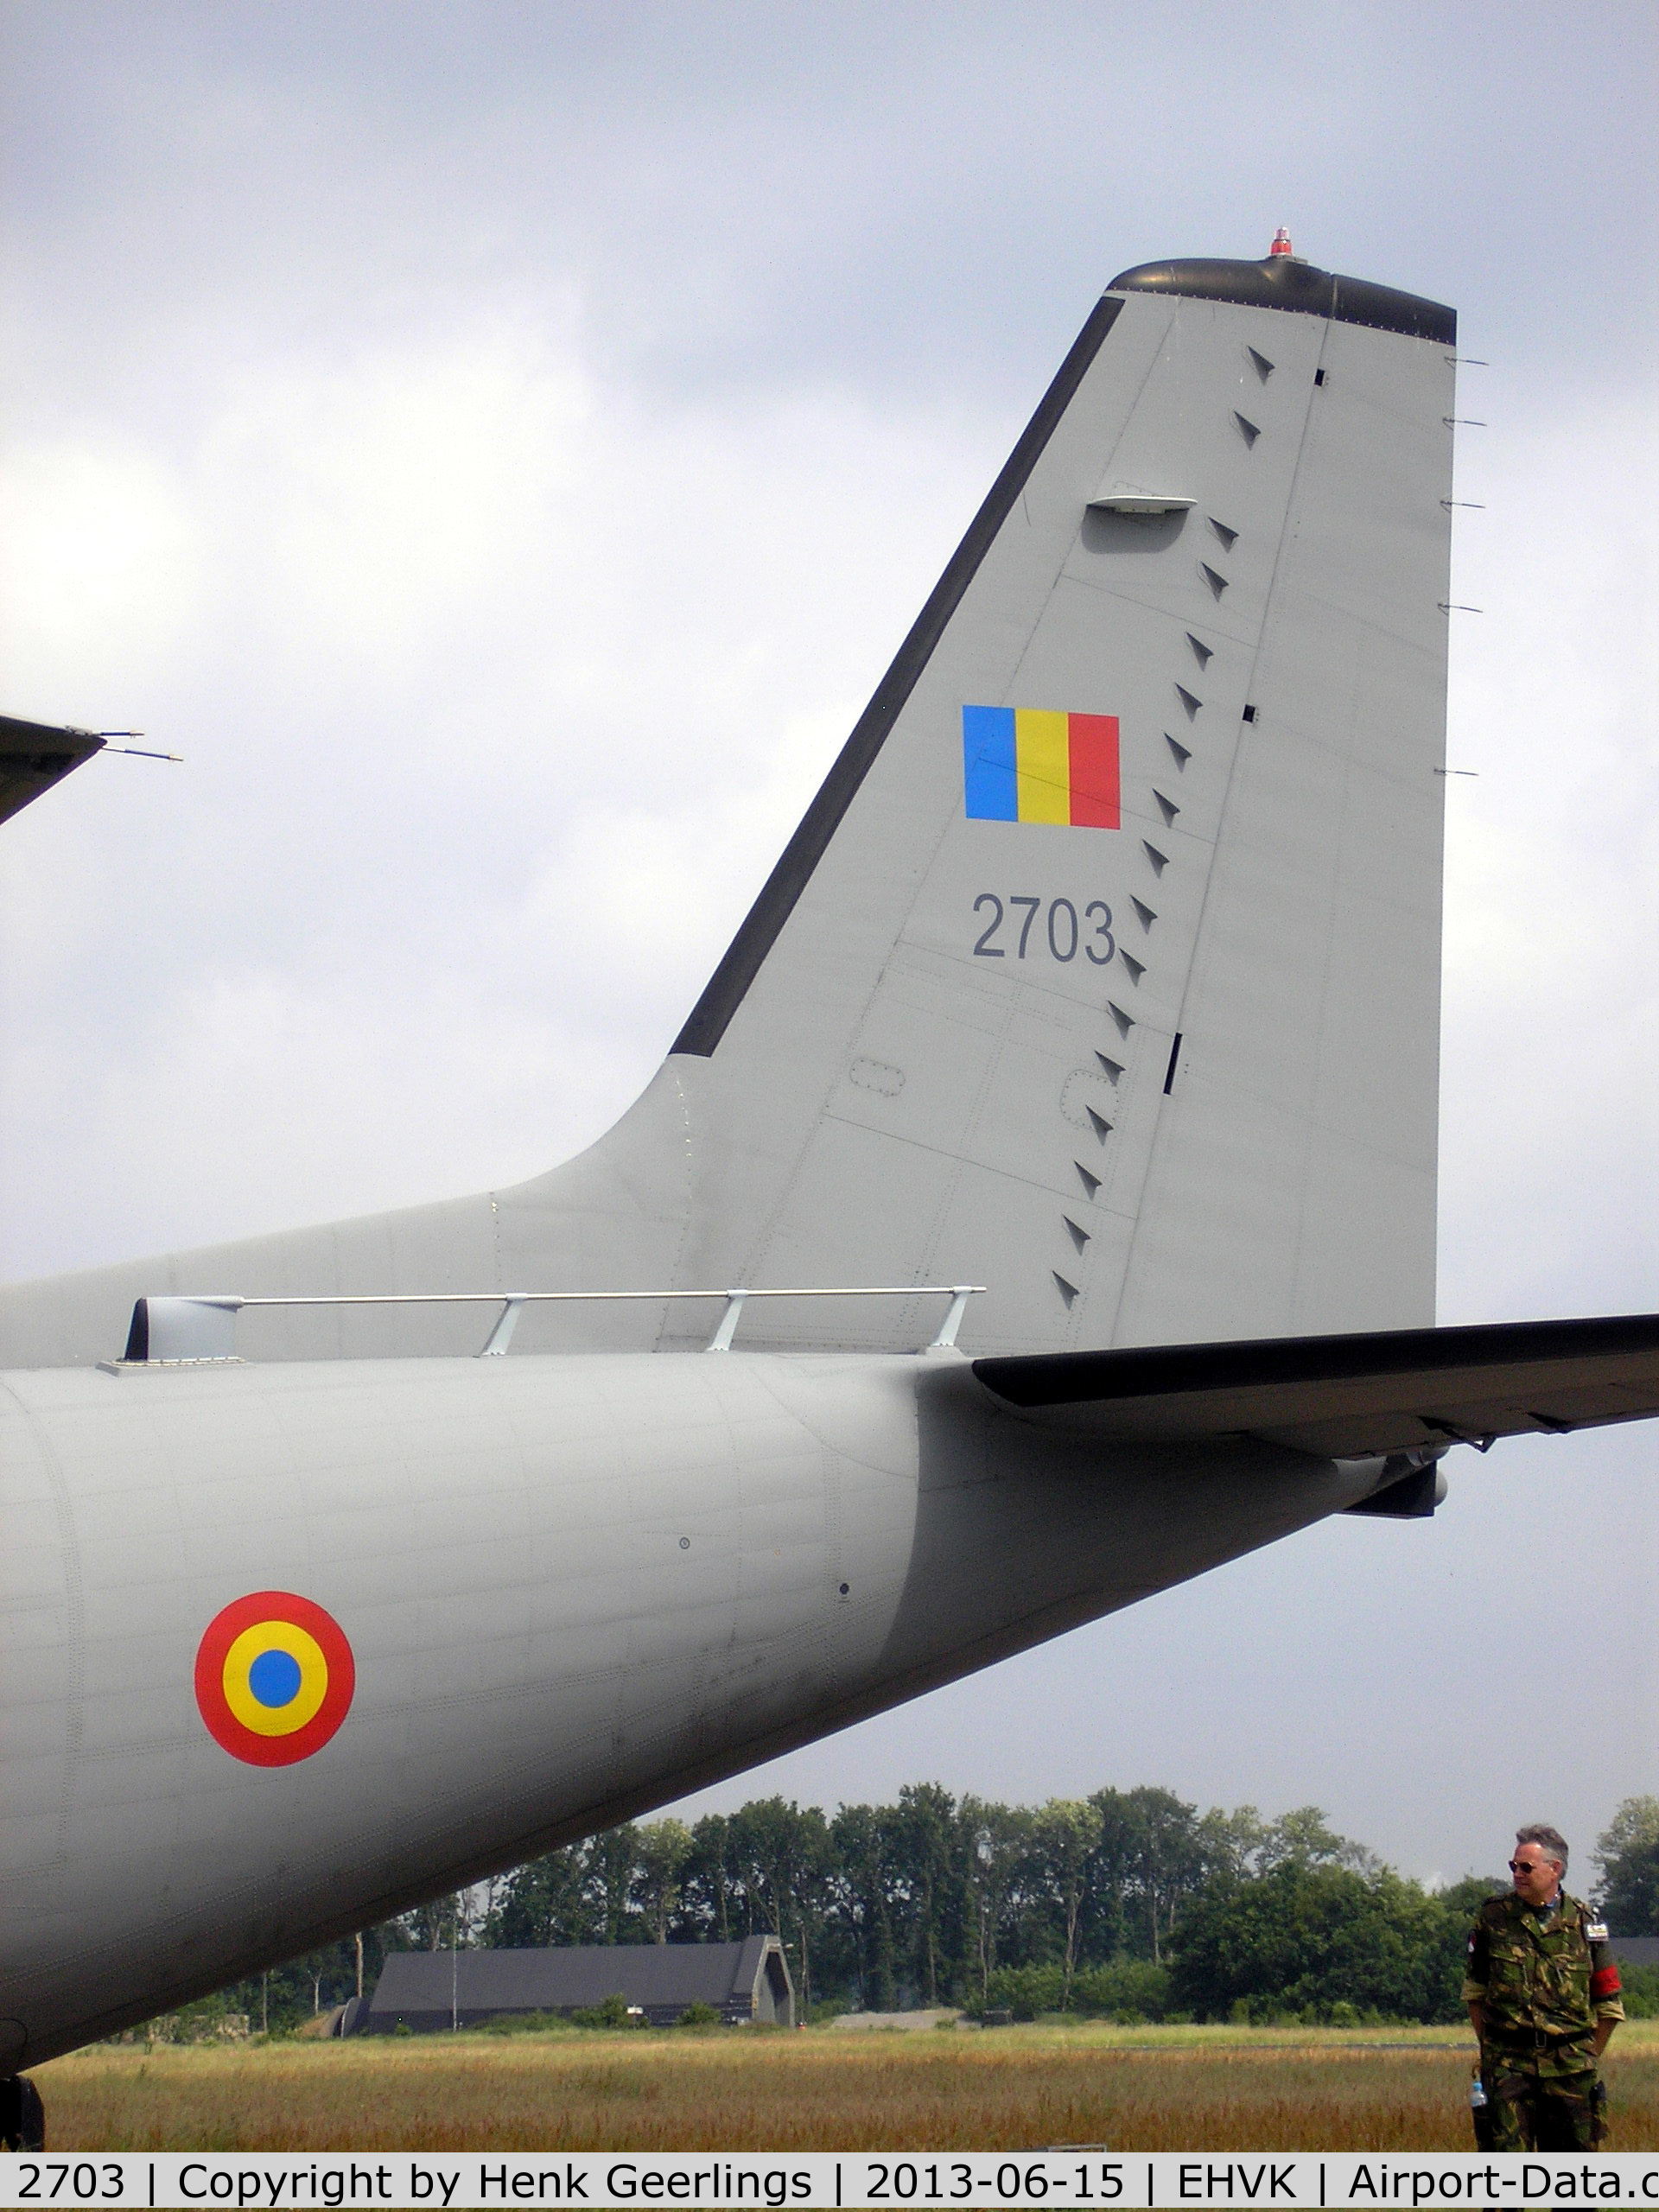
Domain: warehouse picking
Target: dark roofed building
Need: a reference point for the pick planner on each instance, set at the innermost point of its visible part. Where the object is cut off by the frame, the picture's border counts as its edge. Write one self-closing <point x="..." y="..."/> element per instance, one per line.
<point x="427" y="1990"/>
<point x="1635" y="1950"/>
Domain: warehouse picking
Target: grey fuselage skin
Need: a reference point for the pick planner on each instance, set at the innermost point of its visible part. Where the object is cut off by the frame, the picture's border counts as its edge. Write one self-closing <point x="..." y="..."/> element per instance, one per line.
<point x="574" y="1587"/>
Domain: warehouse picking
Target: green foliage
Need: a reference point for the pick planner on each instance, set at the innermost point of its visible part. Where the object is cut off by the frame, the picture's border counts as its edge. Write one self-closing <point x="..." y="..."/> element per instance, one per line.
<point x="526" y="2023"/>
<point x="611" y="2013"/>
<point x="865" y="1900"/>
<point x="208" y="2020"/>
<point x="289" y="1994"/>
<point x="1627" y="1894"/>
<point x="1127" y="1906"/>
<point x="1065" y="1834"/>
<point x="662" y="1850"/>
<point x="1463" y="1899"/>
<point x="995" y="1842"/>
<point x="589" y="1892"/>
<point x="1641" y="1992"/>
<point x="1307" y="1936"/>
<point x="698" y="2015"/>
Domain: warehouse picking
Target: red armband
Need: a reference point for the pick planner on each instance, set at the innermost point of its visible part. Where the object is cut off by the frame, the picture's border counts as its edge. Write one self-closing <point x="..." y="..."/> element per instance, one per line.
<point x="1604" y="1982"/>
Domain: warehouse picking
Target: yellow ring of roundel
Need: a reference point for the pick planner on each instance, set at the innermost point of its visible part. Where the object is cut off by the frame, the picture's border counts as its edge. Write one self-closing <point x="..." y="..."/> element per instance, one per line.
<point x="307" y="1702"/>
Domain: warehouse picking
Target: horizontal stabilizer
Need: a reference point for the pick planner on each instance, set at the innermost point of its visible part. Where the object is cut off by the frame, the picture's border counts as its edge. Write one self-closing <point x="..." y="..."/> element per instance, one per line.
<point x="35" y="755"/>
<point x="1347" y="1397"/>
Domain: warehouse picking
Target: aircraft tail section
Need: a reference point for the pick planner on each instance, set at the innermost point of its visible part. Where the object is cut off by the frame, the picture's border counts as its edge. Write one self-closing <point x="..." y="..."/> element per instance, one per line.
<point x="1103" y="969"/>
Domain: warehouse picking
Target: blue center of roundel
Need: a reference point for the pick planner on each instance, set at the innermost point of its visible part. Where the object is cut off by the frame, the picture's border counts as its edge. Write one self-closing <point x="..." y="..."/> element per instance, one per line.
<point x="274" y="1678"/>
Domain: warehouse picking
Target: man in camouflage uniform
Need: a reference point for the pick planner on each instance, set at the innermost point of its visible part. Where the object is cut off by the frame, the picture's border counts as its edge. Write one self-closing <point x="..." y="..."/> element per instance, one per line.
<point x="1542" y="1991"/>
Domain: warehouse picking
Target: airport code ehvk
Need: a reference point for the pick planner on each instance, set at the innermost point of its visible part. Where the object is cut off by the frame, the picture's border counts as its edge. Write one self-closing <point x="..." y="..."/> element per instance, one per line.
<point x="1052" y="2178"/>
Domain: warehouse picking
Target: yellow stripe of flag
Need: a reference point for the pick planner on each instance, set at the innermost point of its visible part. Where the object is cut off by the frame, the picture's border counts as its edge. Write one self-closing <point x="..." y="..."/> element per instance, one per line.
<point x="1042" y="765"/>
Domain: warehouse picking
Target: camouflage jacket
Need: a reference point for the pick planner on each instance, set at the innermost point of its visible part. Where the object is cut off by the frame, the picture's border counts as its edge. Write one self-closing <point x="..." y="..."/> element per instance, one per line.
<point x="1551" y="1975"/>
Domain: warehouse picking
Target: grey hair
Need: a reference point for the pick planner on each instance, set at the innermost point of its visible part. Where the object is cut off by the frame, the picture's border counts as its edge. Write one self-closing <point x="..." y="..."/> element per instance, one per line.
<point x="1549" y="1841"/>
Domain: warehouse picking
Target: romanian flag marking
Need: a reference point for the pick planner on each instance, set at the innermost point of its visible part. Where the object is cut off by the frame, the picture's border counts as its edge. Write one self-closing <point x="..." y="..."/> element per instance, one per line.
<point x="274" y="1678"/>
<point x="1027" y="764"/>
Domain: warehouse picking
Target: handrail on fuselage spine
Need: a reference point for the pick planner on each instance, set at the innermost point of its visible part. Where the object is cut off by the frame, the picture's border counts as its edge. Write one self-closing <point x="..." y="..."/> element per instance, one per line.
<point x="201" y="1329"/>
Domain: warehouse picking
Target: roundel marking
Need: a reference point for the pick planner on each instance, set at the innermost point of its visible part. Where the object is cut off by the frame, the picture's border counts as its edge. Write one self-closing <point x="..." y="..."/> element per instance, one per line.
<point x="274" y="1678"/>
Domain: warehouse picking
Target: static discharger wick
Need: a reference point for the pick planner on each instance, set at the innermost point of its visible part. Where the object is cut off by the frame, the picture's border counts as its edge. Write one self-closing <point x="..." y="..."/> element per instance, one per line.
<point x="138" y="751"/>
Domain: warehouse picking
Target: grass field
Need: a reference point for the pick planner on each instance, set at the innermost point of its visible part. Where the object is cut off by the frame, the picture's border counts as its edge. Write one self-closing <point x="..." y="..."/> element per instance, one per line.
<point x="1129" y="2088"/>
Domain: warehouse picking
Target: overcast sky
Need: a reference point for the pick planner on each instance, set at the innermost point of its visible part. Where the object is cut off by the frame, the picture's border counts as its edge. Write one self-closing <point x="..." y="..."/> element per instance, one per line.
<point x="500" y="447"/>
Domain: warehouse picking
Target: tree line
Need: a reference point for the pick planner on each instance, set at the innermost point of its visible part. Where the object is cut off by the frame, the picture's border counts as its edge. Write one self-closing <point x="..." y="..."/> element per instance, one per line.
<point x="1130" y="1903"/>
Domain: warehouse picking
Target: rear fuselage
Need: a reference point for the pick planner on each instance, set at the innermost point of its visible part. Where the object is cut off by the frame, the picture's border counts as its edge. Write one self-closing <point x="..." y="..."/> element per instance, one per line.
<point x="572" y="1588"/>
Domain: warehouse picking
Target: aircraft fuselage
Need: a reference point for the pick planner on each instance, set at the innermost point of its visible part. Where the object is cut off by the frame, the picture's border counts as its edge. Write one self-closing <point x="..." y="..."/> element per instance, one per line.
<point x="572" y="1588"/>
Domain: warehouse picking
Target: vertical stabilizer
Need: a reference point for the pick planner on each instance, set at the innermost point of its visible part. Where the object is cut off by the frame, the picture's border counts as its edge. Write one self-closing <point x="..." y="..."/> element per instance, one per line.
<point x="1104" y="969"/>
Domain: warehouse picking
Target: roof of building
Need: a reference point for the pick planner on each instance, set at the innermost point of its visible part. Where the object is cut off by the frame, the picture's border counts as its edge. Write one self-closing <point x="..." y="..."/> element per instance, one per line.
<point x="1636" y="1950"/>
<point x="654" y="1975"/>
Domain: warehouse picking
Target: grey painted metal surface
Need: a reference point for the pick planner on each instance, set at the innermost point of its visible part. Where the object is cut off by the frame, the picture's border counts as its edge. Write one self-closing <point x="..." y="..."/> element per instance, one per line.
<point x="572" y="1587"/>
<point x="1403" y="1391"/>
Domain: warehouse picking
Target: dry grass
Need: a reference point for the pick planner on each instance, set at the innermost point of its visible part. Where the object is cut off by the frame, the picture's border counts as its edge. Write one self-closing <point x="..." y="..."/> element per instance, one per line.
<point x="1134" y="2089"/>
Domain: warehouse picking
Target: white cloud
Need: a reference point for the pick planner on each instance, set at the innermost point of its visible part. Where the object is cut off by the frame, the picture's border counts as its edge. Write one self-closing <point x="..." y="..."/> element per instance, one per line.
<point x="100" y="569"/>
<point x="499" y="691"/>
<point x="381" y="503"/>
<point x="1552" y="987"/>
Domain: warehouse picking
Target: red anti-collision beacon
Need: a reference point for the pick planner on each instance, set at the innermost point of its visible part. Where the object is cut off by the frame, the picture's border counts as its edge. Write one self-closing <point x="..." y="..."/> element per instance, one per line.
<point x="1282" y="244"/>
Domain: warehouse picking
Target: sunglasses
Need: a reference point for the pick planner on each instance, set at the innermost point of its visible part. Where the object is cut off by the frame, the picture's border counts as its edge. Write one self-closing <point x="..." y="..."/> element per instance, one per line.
<point x="1529" y="1865"/>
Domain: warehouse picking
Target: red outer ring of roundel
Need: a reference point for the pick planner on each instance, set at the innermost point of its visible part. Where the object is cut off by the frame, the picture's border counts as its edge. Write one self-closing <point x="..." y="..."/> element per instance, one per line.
<point x="222" y="1632"/>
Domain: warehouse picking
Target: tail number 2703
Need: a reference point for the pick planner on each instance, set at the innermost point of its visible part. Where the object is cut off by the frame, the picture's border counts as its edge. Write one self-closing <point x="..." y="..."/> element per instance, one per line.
<point x="1065" y="934"/>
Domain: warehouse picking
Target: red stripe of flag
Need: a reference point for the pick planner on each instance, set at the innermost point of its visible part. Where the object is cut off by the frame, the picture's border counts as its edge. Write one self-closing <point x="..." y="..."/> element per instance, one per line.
<point x="1096" y="803"/>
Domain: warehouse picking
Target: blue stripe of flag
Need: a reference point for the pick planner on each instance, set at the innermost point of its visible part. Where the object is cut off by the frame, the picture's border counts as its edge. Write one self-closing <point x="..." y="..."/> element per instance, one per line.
<point x="988" y="764"/>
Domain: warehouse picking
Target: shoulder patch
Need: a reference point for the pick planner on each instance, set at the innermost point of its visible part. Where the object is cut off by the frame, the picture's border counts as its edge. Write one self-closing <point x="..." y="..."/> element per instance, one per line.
<point x="1596" y="1931"/>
